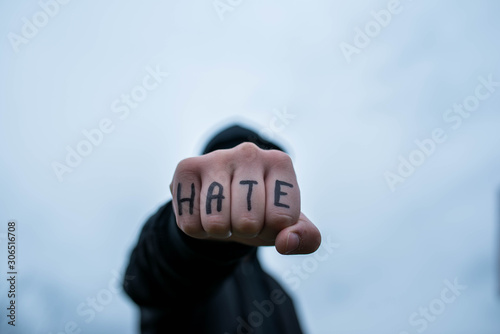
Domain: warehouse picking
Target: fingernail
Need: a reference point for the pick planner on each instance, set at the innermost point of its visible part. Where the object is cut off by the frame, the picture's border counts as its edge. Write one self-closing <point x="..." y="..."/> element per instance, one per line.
<point x="292" y="242"/>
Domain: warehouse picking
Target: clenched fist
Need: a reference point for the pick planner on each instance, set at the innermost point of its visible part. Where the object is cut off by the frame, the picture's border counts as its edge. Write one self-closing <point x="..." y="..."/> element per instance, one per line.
<point x="245" y="195"/>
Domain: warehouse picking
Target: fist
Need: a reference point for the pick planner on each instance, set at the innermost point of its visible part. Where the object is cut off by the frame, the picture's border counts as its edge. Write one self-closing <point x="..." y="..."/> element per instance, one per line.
<point x="245" y="195"/>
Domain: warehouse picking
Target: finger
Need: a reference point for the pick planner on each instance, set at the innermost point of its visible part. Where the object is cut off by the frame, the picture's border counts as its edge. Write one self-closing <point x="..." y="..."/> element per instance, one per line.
<point x="248" y="201"/>
<point x="185" y="188"/>
<point x="282" y="195"/>
<point x="215" y="201"/>
<point x="301" y="238"/>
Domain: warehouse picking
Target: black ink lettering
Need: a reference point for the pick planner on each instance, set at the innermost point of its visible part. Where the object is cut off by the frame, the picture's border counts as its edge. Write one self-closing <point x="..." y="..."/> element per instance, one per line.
<point x="278" y="193"/>
<point x="249" y="195"/>
<point x="211" y="196"/>
<point x="186" y="199"/>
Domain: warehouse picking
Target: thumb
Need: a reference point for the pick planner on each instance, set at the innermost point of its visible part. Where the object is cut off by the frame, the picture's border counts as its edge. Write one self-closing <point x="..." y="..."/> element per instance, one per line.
<point x="300" y="238"/>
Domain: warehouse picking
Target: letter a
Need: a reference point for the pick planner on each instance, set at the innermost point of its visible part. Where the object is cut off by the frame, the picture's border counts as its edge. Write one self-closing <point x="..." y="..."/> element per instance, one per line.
<point x="211" y="196"/>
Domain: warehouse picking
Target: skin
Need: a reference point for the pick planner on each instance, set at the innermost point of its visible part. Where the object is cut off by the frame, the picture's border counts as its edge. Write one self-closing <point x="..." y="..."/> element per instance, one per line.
<point x="267" y="223"/>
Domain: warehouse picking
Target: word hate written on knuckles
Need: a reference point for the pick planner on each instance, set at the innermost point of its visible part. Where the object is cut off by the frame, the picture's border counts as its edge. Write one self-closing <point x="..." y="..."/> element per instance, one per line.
<point x="219" y="196"/>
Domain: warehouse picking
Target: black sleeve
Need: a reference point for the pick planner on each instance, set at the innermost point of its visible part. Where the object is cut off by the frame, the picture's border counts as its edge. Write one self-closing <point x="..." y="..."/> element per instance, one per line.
<point x="167" y="266"/>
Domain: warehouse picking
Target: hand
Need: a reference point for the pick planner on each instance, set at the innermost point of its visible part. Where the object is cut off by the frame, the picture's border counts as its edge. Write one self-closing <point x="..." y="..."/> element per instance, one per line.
<point x="245" y="195"/>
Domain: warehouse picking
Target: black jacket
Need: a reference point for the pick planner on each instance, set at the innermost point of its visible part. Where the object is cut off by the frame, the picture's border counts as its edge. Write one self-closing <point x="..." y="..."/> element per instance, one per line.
<point x="186" y="285"/>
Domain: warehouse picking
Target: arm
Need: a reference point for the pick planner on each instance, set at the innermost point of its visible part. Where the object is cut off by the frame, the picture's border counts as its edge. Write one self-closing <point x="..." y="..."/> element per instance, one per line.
<point x="226" y="203"/>
<point x="166" y="264"/>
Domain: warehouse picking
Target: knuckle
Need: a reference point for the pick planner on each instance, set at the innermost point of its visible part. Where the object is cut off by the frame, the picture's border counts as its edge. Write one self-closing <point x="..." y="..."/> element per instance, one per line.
<point x="187" y="167"/>
<point x="249" y="226"/>
<point x="247" y="147"/>
<point x="279" y="158"/>
<point x="283" y="220"/>
<point x="215" y="225"/>
<point x="191" y="228"/>
<point x="246" y="152"/>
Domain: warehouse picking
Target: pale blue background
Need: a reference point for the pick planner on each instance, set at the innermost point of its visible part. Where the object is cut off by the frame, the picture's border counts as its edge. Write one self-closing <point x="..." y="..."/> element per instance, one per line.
<point x="352" y="121"/>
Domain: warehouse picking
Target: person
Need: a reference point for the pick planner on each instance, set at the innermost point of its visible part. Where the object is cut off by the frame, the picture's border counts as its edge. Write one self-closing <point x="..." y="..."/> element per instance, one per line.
<point x="195" y="267"/>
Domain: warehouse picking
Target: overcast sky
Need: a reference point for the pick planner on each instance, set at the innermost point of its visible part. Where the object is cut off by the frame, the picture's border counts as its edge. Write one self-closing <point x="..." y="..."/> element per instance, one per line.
<point x="390" y="110"/>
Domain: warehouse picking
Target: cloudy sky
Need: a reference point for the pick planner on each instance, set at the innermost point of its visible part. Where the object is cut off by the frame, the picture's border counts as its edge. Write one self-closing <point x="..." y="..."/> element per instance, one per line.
<point x="390" y="110"/>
